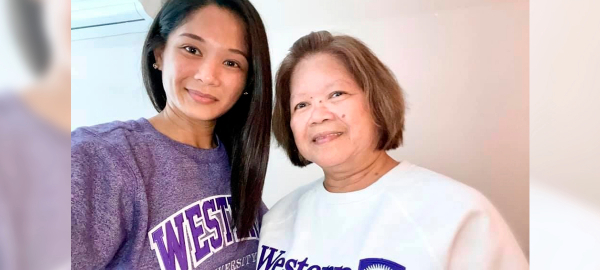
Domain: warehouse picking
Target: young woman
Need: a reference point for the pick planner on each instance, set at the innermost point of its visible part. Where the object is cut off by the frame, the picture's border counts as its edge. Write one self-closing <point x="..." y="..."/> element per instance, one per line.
<point x="181" y="190"/>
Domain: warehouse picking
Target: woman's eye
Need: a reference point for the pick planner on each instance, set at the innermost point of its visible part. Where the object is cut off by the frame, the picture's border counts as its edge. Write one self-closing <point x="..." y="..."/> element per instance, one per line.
<point x="337" y="94"/>
<point x="300" y="105"/>
<point x="191" y="50"/>
<point x="230" y="63"/>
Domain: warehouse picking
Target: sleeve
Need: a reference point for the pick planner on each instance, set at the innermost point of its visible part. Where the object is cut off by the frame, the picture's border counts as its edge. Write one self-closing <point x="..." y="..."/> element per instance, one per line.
<point x="484" y="241"/>
<point x="5" y="236"/>
<point x="101" y="203"/>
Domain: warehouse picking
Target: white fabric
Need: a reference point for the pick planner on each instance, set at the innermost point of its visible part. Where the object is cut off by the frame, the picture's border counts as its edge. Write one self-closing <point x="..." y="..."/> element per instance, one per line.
<point x="411" y="218"/>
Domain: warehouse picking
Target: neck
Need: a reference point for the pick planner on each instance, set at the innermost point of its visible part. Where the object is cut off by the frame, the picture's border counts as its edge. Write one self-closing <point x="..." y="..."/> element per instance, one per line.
<point x="176" y="125"/>
<point x="359" y="175"/>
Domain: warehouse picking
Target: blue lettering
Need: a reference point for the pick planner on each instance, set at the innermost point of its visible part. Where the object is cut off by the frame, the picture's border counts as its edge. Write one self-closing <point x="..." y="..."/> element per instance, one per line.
<point x="302" y="264"/>
<point x="279" y="263"/>
<point x="288" y="265"/>
<point x="269" y="259"/>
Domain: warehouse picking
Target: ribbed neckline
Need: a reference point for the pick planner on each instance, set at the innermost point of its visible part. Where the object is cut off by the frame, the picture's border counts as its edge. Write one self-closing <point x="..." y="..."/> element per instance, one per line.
<point x="363" y="194"/>
<point x="207" y="154"/>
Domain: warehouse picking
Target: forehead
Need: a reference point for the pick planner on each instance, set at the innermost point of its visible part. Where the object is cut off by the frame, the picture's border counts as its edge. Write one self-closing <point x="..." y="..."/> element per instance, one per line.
<point x="217" y="26"/>
<point x="319" y="73"/>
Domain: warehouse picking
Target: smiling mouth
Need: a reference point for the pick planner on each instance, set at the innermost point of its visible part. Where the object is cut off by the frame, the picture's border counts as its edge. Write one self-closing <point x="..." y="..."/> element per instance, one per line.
<point x="326" y="137"/>
<point x="201" y="97"/>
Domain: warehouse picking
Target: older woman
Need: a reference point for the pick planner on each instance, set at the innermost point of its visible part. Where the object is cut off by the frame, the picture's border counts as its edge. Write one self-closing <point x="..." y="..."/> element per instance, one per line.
<point x="340" y="107"/>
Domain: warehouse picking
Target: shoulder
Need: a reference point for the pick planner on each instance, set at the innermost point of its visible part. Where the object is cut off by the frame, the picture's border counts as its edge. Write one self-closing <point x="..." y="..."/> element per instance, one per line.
<point x="411" y="182"/>
<point x="113" y="133"/>
<point x="287" y="206"/>
<point x="106" y="146"/>
<point x="427" y="197"/>
<point x="448" y="210"/>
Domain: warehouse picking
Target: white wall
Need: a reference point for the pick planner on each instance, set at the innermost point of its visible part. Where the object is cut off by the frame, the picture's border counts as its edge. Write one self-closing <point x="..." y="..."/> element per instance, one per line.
<point x="106" y="80"/>
<point x="565" y="85"/>
<point x="463" y="65"/>
<point x="564" y="132"/>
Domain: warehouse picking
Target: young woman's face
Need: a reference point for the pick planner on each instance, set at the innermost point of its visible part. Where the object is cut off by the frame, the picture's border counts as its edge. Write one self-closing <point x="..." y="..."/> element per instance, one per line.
<point x="330" y="118"/>
<point x="204" y="63"/>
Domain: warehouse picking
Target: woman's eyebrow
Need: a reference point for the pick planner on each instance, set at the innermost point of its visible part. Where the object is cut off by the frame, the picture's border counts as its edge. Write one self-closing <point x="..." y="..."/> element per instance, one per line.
<point x="199" y="38"/>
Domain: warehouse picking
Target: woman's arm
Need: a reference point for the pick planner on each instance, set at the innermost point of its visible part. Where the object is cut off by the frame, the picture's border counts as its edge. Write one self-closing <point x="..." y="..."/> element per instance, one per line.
<point x="484" y="241"/>
<point x="102" y="199"/>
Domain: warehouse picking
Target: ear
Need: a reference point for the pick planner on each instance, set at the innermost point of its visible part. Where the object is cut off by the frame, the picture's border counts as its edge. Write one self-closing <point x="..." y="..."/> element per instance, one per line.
<point x="158" y="56"/>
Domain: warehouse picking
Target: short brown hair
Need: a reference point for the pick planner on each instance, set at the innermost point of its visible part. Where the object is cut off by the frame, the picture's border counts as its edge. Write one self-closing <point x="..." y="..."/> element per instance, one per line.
<point x="384" y="95"/>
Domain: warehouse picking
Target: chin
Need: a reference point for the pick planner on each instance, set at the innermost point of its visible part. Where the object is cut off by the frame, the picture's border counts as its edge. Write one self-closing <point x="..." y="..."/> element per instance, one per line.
<point x="202" y="114"/>
<point x="326" y="162"/>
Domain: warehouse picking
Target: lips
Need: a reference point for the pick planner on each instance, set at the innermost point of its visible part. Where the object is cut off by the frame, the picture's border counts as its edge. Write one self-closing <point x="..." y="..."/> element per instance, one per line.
<point x="201" y="97"/>
<point x="325" y="137"/>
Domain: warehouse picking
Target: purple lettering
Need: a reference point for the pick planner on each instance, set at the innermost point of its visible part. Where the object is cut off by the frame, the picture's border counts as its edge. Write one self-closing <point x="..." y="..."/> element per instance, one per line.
<point x="176" y="245"/>
<point x="234" y="231"/>
<point x="216" y="242"/>
<point x="257" y="228"/>
<point x="269" y="258"/>
<point x="202" y="250"/>
<point x="279" y="263"/>
<point x="288" y="265"/>
<point x="222" y="205"/>
<point x="314" y="267"/>
<point x="253" y="232"/>
<point x="302" y="264"/>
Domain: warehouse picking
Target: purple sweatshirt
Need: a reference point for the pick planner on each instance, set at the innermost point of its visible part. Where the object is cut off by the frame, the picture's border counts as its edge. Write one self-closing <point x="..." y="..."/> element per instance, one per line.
<point x="140" y="200"/>
<point x="34" y="189"/>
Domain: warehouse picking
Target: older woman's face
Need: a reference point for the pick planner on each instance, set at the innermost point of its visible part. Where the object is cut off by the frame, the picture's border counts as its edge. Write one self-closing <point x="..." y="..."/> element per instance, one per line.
<point x="330" y="118"/>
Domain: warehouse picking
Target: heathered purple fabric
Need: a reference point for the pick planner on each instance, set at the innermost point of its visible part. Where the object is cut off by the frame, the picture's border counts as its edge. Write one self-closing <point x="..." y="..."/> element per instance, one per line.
<point x="140" y="200"/>
<point x="34" y="189"/>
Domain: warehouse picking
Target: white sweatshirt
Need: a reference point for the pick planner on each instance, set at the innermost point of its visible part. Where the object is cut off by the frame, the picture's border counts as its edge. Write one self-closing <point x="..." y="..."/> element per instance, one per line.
<point x="411" y="218"/>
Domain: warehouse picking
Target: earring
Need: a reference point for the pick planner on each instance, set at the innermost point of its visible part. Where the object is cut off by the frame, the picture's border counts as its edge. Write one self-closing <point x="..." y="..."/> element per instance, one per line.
<point x="155" y="66"/>
<point x="245" y="93"/>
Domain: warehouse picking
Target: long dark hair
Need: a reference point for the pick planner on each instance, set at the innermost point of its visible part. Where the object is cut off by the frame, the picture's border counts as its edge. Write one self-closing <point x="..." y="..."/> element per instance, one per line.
<point x="27" y="26"/>
<point x="245" y="128"/>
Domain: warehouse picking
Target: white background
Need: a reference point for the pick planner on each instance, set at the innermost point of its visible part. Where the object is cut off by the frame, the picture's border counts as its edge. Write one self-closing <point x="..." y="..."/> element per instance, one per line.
<point x="463" y="65"/>
<point x="564" y="132"/>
